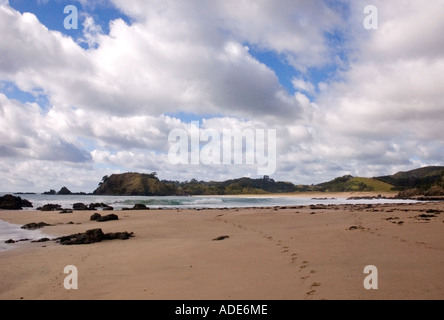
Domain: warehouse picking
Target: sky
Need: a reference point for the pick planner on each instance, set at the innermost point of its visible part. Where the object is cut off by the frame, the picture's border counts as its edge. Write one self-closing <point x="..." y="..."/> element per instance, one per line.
<point x="348" y="91"/>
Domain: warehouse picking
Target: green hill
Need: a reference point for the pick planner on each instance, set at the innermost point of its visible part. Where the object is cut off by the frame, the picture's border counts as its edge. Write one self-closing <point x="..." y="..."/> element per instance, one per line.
<point x="134" y="184"/>
<point x="374" y="184"/>
<point x="422" y="179"/>
<point x="137" y="184"/>
<point x="354" y="184"/>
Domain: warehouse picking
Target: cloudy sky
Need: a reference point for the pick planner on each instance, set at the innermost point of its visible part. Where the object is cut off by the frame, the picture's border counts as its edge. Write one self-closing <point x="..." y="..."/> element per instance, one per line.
<point x="78" y="104"/>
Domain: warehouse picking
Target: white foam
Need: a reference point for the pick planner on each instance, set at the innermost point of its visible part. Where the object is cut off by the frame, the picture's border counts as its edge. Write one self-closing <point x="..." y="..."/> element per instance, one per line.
<point x="9" y="231"/>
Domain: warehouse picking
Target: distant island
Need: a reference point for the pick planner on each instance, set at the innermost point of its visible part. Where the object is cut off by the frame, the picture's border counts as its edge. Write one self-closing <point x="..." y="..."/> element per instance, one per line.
<point x="428" y="181"/>
<point x="63" y="192"/>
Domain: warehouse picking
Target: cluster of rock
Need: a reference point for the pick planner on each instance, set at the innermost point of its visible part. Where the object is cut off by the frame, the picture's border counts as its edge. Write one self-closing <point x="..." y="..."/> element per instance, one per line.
<point x="379" y="197"/>
<point x="99" y="218"/>
<point x="24" y="240"/>
<point x="137" y="207"/>
<point x="89" y="237"/>
<point x="93" y="236"/>
<point x="50" y="207"/>
<point x="9" y="202"/>
<point x="76" y="207"/>
<point x="35" y="226"/>
<point x="435" y="193"/>
<point x="91" y="207"/>
<point x="64" y="191"/>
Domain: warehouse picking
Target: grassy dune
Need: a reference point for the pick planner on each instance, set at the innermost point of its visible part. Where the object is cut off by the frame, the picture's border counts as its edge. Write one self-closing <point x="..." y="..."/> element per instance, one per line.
<point x="377" y="185"/>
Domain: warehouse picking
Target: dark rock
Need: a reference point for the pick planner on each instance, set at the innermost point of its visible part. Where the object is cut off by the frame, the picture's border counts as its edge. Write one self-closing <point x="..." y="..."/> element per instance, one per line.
<point x="108" y="208"/>
<point x="35" y="226"/>
<point x="137" y="207"/>
<point x="111" y="217"/>
<point x="93" y="236"/>
<point x="409" y="193"/>
<point x="379" y="197"/>
<point x="94" y="206"/>
<point x="95" y="217"/>
<point x="438" y="198"/>
<point x="119" y="236"/>
<point x="426" y="216"/>
<point x="318" y="207"/>
<point x="89" y="237"/>
<point x="64" y="191"/>
<point x="80" y="207"/>
<point x="221" y="238"/>
<point x="9" y="202"/>
<point x="41" y="240"/>
<point x="50" y="207"/>
<point x="10" y="241"/>
<point x="140" y="206"/>
<point x="66" y="211"/>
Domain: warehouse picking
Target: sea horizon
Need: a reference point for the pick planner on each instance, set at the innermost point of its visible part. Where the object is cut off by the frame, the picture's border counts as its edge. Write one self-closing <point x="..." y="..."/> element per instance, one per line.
<point x="203" y="201"/>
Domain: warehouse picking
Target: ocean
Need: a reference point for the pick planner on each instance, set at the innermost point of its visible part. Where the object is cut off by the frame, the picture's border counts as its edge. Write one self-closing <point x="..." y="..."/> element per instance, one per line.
<point x="195" y="202"/>
<point x="12" y="231"/>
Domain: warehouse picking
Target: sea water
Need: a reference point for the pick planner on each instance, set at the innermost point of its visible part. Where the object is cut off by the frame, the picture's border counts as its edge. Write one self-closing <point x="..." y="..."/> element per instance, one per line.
<point x="195" y="202"/>
<point x="14" y="232"/>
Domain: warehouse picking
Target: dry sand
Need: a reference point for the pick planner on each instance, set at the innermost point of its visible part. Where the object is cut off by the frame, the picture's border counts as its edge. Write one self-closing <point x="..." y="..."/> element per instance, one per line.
<point x="271" y="254"/>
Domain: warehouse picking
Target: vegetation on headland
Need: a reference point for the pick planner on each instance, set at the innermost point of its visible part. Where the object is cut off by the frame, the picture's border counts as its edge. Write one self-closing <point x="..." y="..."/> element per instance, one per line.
<point x="353" y="184"/>
<point x="424" y="181"/>
<point x="428" y="181"/>
<point x="137" y="184"/>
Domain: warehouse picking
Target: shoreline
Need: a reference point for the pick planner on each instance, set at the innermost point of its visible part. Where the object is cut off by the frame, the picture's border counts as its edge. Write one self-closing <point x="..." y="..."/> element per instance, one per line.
<point x="298" y="253"/>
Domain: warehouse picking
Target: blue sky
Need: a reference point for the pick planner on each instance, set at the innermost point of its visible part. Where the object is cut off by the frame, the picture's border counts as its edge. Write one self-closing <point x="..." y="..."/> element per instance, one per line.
<point x="51" y="13"/>
<point x="103" y="99"/>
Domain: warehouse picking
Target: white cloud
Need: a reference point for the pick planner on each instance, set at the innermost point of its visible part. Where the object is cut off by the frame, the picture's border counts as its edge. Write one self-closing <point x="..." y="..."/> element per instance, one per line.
<point x="91" y="32"/>
<point x="26" y="134"/>
<point x="381" y="113"/>
<point x="304" y="86"/>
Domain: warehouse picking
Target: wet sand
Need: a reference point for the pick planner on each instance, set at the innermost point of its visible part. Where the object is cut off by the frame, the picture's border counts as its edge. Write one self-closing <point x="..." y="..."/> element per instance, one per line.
<point x="293" y="253"/>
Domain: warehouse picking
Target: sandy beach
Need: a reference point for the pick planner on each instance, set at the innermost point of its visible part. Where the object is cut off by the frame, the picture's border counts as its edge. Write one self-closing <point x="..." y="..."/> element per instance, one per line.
<point x="293" y="253"/>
